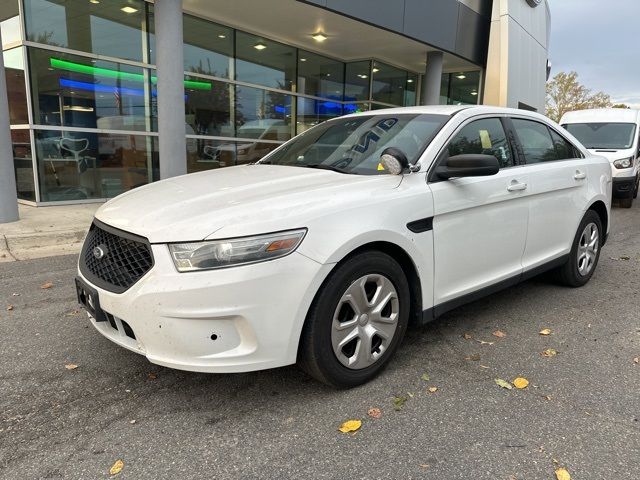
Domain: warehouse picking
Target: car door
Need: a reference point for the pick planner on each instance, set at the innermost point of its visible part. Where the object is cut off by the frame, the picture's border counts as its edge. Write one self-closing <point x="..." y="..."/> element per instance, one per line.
<point x="480" y="223"/>
<point x="558" y="188"/>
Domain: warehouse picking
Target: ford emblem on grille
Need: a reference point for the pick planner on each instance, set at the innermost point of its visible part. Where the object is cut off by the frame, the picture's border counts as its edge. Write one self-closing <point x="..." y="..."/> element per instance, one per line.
<point x="100" y="251"/>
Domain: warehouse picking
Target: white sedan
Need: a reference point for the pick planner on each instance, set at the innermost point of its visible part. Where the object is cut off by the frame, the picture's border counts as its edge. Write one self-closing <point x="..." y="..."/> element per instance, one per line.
<point x="323" y="252"/>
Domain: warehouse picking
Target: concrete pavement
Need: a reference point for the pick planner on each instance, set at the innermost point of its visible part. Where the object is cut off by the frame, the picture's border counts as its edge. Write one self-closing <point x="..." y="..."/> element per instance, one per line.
<point x="581" y="410"/>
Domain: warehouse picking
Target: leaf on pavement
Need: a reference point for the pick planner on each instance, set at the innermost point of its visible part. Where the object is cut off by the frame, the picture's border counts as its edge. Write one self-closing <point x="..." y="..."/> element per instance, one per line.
<point x="433" y="389"/>
<point x="425" y="377"/>
<point x="398" y="403"/>
<point x="374" y="412"/>
<point x="624" y="257"/>
<point x="562" y="474"/>
<point x="503" y="384"/>
<point x="474" y="358"/>
<point x="521" y="383"/>
<point x="549" y="352"/>
<point x="350" y="426"/>
<point x="467" y="336"/>
<point x="9" y="308"/>
<point x="152" y="376"/>
<point x="71" y="366"/>
<point x="636" y="360"/>
<point x="15" y="294"/>
<point x="545" y="331"/>
<point x="482" y="342"/>
<point x="72" y="313"/>
<point x="116" y="468"/>
<point x="499" y="334"/>
<point x="47" y="285"/>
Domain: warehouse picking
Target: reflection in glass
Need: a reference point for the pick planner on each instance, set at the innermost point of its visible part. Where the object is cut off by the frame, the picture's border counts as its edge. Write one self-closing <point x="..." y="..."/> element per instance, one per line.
<point x="103" y="27"/>
<point x="16" y="88"/>
<point x="357" y="81"/>
<point x="81" y="165"/>
<point x="410" y="90"/>
<point x="9" y="22"/>
<point x="208" y="111"/>
<point x="262" y="114"/>
<point x="23" y="164"/>
<point x="208" y="47"/>
<point x="320" y="76"/>
<point x="311" y="112"/>
<point x="388" y="84"/>
<point x="264" y="62"/>
<point x="76" y="91"/>
<point x="460" y="88"/>
<point x="205" y="154"/>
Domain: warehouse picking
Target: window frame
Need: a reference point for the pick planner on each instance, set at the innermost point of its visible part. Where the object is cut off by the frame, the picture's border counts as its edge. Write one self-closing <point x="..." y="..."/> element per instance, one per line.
<point x="443" y="152"/>
<point x="520" y="148"/>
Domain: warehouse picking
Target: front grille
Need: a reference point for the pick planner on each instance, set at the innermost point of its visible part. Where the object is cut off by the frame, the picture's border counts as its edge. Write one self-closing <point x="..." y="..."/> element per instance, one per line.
<point x="113" y="259"/>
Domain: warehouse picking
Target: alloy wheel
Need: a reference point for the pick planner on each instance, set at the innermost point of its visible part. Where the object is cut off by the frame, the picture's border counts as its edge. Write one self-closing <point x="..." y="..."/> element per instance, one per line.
<point x="588" y="249"/>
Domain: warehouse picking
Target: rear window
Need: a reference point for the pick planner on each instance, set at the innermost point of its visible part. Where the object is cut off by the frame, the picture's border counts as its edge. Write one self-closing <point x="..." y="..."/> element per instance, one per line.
<point x="612" y="136"/>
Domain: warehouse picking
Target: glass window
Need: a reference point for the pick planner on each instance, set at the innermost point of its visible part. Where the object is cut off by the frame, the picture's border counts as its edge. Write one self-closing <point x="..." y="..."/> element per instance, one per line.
<point x="461" y="88"/>
<point x="9" y="22"/>
<point x="208" y="47"/>
<point x="486" y="137"/>
<point x="262" y="114"/>
<point x="23" y="164"/>
<point x="80" y="92"/>
<point x="264" y="62"/>
<point x="357" y="81"/>
<point x="16" y="88"/>
<point x="80" y="165"/>
<point x="354" y="145"/>
<point x="410" y="97"/>
<point x="311" y="112"/>
<point x="208" y="107"/>
<point x="388" y="84"/>
<point x="564" y="150"/>
<point x="106" y="28"/>
<point x="615" y="136"/>
<point x="320" y="76"/>
<point x="536" y="142"/>
<point x="205" y="154"/>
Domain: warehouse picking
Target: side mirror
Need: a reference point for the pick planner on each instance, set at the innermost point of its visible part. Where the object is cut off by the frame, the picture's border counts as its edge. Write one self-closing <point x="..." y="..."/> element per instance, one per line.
<point x="468" y="165"/>
<point x="394" y="160"/>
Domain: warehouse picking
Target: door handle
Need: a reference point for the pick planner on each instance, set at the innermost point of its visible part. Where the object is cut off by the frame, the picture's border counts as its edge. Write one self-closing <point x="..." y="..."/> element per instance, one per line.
<point x="516" y="187"/>
<point x="579" y="175"/>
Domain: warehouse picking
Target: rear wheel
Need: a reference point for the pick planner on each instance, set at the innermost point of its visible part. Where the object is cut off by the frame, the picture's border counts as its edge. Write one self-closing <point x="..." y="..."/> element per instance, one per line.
<point x="585" y="252"/>
<point x="356" y="322"/>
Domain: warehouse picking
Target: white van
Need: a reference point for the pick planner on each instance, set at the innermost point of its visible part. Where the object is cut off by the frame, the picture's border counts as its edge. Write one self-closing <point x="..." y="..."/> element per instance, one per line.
<point x="611" y="133"/>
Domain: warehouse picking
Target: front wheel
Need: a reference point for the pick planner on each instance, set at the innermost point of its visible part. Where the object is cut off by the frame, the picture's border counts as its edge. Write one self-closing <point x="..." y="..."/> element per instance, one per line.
<point x="585" y="252"/>
<point x="357" y="321"/>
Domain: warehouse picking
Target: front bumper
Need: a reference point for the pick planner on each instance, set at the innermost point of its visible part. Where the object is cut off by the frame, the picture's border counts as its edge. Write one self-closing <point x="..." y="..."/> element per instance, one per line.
<point x="229" y="320"/>
<point x="623" y="187"/>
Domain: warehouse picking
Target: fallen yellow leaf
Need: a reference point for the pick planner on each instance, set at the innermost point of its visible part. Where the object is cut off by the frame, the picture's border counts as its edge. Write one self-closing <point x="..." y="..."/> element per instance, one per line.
<point x="433" y="389"/>
<point x="499" y="334"/>
<point x="9" y="308"/>
<point x="520" y="383"/>
<point x="116" y="468"/>
<point x="549" y="352"/>
<point x="374" y="412"/>
<point x="47" y="285"/>
<point x="545" y="331"/>
<point x="152" y="376"/>
<point x="503" y="383"/>
<point x="562" y="474"/>
<point x="467" y="336"/>
<point x="350" y="426"/>
<point x="71" y="366"/>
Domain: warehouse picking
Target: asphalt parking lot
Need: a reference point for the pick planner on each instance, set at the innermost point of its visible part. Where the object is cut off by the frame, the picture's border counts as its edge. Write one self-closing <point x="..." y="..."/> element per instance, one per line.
<point x="581" y="410"/>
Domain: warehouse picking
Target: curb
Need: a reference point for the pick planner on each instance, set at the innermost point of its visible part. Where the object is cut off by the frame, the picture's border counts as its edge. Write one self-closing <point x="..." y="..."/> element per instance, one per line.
<point x="41" y="244"/>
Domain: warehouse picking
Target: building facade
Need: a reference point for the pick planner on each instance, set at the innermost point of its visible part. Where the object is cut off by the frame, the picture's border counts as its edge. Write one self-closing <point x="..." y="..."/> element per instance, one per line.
<point x="107" y="95"/>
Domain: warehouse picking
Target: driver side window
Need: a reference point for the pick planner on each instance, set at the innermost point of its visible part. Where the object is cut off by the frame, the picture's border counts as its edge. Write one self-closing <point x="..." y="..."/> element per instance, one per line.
<point x="486" y="137"/>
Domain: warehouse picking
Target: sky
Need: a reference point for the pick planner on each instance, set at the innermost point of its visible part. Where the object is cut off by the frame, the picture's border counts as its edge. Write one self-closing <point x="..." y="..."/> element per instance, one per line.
<point x="601" y="41"/>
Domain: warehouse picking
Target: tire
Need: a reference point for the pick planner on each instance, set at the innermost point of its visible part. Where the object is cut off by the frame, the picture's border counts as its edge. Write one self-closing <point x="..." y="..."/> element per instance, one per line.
<point x="626" y="202"/>
<point x="340" y="323"/>
<point x="635" y="192"/>
<point x="579" y="268"/>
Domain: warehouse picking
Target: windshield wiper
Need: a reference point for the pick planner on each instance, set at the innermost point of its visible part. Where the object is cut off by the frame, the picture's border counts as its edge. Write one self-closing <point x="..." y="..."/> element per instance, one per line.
<point x="325" y="167"/>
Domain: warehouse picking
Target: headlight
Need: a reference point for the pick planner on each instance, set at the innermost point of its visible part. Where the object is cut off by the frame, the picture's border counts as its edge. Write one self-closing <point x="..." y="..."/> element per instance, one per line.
<point x="624" y="163"/>
<point x="213" y="254"/>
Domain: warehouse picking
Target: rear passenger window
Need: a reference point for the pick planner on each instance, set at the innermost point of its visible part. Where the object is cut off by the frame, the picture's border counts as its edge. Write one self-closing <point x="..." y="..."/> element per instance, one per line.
<point x="536" y="141"/>
<point x="485" y="137"/>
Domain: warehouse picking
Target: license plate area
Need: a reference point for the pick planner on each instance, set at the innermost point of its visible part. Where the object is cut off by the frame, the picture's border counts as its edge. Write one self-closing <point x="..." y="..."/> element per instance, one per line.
<point x="89" y="299"/>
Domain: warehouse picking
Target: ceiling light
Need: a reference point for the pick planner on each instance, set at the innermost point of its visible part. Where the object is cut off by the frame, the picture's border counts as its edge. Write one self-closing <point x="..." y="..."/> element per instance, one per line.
<point x="303" y="59"/>
<point x="222" y="35"/>
<point x="129" y="9"/>
<point x="362" y="75"/>
<point x="259" y="46"/>
<point x="319" y="37"/>
<point x="328" y="74"/>
<point x="95" y="2"/>
<point x="461" y="76"/>
<point x="474" y="93"/>
<point x="375" y="70"/>
<point x="410" y="81"/>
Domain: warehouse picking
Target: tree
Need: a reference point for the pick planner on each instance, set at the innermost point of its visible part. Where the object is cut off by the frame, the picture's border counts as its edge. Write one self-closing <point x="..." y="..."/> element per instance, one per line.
<point x="565" y="94"/>
<point x="621" y="105"/>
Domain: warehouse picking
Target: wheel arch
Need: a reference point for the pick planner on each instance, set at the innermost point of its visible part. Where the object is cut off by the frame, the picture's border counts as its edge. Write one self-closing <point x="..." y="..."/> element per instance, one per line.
<point x="601" y="209"/>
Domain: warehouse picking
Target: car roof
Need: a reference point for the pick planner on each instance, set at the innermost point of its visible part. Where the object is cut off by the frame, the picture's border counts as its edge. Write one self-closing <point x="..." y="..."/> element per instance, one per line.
<point x="602" y="115"/>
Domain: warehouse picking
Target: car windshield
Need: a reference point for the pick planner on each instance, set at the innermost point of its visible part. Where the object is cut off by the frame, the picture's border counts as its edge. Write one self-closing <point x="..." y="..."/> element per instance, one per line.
<point x="614" y="136"/>
<point x="354" y="144"/>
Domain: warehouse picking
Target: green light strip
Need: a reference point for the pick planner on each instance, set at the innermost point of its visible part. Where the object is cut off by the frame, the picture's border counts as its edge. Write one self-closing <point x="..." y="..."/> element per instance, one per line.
<point x="106" y="72"/>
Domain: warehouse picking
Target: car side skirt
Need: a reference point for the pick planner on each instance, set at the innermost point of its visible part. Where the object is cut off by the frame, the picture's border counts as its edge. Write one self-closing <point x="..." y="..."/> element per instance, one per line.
<point x="433" y="313"/>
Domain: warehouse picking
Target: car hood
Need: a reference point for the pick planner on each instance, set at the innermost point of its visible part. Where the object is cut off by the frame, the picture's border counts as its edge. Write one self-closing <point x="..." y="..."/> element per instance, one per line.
<point x="237" y="201"/>
<point x="611" y="154"/>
